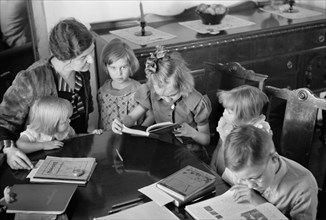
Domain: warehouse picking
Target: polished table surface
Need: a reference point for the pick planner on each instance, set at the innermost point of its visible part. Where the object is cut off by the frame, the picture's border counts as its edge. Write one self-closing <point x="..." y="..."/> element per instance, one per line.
<point x="145" y="161"/>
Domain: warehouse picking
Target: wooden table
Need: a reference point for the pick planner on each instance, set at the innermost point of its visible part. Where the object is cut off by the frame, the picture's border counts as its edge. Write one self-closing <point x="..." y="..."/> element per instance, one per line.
<point x="145" y="161"/>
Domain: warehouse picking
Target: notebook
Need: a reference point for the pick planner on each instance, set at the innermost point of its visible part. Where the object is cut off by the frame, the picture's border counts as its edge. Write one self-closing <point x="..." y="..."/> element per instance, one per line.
<point x="41" y="198"/>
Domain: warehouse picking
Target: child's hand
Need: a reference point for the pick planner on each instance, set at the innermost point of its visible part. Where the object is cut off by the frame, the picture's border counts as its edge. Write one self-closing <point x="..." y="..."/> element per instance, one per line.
<point x="8" y="195"/>
<point x="117" y="126"/>
<point x="97" y="131"/>
<point x="243" y="193"/>
<point x="224" y="128"/>
<point x="49" y="145"/>
<point x="185" y="130"/>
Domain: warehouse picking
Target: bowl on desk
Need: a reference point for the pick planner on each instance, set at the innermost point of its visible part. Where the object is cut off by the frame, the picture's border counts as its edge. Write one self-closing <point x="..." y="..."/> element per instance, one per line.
<point x="211" y="14"/>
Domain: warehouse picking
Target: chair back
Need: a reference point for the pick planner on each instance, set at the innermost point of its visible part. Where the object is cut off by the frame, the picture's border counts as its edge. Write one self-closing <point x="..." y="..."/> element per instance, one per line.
<point x="296" y="136"/>
<point x="226" y="77"/>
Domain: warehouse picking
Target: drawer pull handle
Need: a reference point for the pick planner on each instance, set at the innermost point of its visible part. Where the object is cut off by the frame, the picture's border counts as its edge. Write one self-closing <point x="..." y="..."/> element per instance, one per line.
<point x="289" y="65"/>
<point x="321" y="38"/>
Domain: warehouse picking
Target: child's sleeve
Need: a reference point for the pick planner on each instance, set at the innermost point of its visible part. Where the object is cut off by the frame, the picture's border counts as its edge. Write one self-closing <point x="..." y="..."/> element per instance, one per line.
<point x="305" y="205"/>
<point x="142" y="96"/>
<point x="203" y="111"/>
<point x="31" y="135"/>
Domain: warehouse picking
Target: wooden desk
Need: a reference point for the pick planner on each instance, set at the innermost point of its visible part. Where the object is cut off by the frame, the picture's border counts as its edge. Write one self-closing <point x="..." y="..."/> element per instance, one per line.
<point x="282" y="48"/>
<point x="145" y="162"/>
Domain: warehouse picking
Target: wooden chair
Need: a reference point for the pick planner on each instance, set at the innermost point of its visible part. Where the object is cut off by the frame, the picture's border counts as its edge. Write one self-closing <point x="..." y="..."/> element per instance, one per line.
<point x="226" y="77"/>
<point x="298" y="123"/>
<point x="298" y="126"/>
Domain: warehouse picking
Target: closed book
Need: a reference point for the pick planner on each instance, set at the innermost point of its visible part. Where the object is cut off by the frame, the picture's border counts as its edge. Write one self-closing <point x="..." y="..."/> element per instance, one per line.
<point x="187" y="184"/>
<point x="66" y="168"/>
<point x="41" y="198"/>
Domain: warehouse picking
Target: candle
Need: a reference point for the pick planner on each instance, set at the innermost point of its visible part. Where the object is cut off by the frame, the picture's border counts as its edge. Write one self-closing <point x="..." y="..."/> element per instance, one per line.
<point x="142" y="18"/>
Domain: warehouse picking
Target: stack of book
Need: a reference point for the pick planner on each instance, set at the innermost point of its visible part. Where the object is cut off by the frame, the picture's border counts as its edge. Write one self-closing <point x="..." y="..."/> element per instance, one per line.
<point x="63" y="170"/>
<point x="187" y="184"/>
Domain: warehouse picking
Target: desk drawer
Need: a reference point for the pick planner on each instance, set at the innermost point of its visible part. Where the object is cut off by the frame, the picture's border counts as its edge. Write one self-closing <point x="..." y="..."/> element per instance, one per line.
<point x="282" y="71"/>
<point x="290" y="41"/>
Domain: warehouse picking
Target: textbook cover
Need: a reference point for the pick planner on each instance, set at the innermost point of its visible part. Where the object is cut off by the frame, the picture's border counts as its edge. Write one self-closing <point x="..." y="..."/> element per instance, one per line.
<point x="187" y="183"/>
<point x="41" y="198"/>
<point x="66" y="168"/>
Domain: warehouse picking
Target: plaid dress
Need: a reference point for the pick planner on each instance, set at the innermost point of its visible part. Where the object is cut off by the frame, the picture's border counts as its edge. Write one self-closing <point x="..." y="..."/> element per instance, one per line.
<point x="115" y="103"/>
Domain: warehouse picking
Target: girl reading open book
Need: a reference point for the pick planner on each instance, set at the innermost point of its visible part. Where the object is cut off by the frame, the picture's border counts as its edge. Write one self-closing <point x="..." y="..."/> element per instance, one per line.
<point x="171" y="95"/>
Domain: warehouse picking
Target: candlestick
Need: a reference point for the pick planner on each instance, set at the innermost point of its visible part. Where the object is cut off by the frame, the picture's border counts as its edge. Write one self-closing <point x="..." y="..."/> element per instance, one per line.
<point x="291" y="9"/>
<point x="142" y="17"/>
<point x="142" y="31"/>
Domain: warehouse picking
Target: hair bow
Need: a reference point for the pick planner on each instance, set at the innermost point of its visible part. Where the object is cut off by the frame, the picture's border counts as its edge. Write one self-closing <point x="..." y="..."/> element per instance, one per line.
<point x="152" y="61"/>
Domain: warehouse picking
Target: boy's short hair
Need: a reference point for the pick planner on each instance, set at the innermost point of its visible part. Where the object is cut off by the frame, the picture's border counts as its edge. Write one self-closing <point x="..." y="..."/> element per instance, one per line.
<point x="246" y="101"/>
<point x="174" y="67"/>
<point x="46" y="113"/>
<point x="115" y="50"/>
<point x="247" y="145"/>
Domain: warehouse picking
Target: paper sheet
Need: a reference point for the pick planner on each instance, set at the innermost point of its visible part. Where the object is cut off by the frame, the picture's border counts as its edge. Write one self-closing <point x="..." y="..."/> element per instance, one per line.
<point x="228" y="22"/>
<point x="301" y="12"/>
<point x="129" y="34"/>
<point x="155" y="194"/>
<point x="149" y="210"/>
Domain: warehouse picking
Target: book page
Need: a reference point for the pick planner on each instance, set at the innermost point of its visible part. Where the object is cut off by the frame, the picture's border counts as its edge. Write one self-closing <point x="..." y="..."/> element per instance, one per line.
<point x="219" y="207"/>
<point x="65" y="168"/>
<point x="166" y="126"/>
<point x="262" y="212"/>
<point x="134" y="131"/>
<point x="224" y="207"/>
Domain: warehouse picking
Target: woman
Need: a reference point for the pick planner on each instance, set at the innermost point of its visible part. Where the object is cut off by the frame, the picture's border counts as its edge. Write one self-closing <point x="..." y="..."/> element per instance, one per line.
<point x="65" y="74"/>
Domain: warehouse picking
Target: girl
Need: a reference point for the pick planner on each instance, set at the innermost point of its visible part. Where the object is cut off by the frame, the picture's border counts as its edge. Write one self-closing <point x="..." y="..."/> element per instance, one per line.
<point x="242" y="105"/>
<point x="116" y="96"/>
<point x="49" y="124"/>
<point x="171" y="95"/>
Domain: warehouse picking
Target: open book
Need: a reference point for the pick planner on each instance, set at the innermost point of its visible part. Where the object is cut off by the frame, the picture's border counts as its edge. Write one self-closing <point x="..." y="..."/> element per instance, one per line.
<point x="187" y="184"/>
<point x="156" y="129"/>
<point x="224" y="207"/>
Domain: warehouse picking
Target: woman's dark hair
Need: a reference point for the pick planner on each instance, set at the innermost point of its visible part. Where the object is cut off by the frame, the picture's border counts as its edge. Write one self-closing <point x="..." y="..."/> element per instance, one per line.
<point x="69" y="38"/>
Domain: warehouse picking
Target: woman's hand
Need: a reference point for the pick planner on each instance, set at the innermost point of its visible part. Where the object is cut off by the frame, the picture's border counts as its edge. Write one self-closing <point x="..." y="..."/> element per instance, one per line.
<point x="244" y="193"/>
<point x="49" y="145"/>
<point x="185" y="130"/>
<point x="117" y="126"/>
<point x="16" y="159"/>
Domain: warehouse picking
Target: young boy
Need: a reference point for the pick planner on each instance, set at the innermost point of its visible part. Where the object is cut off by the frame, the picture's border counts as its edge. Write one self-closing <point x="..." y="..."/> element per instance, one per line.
<point x="258" y="173"/>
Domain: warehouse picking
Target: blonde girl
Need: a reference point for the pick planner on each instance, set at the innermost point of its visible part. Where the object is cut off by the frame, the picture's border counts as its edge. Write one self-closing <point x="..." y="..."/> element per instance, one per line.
<point x="171" y="95"/>
<point x="49" y="124"/>
<point x="116" y="96"/>
<point x="242" y="105"/>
